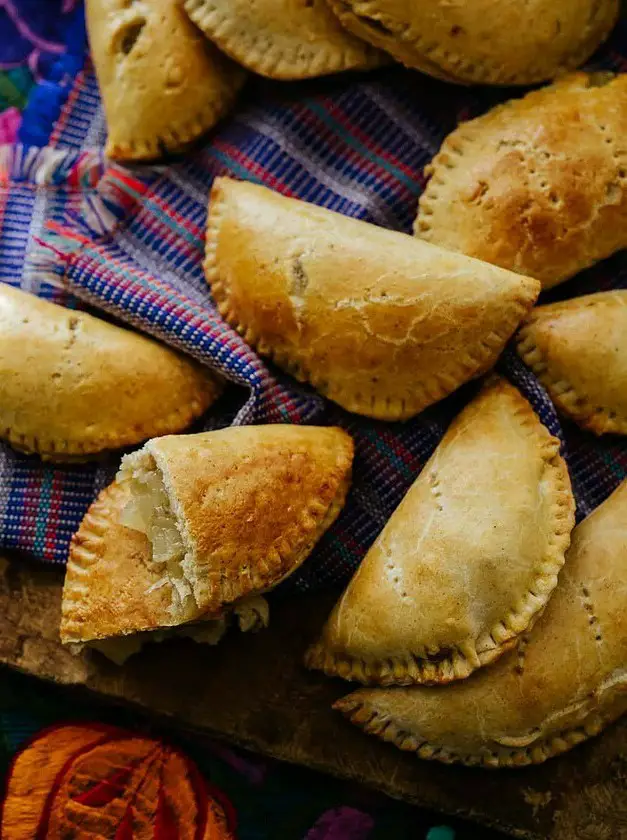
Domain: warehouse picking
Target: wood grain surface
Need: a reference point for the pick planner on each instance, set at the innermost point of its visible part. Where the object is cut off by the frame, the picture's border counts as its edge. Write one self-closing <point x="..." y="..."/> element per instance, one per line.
<point x="252" y="690"/>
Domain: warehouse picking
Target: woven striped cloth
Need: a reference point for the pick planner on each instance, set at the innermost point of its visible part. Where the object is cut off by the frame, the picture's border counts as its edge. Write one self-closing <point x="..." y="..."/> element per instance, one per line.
<point x="129" y="242"/>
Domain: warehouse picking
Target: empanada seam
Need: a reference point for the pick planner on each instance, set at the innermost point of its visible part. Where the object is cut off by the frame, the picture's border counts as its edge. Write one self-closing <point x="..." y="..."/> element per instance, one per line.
<point x="381" y="725"/>
<point x="60" y="450"/>
<point x="85" y="551"/>
<point x="265" y="58"/>
<point x="566" y="397"/>
<point x="419" y="666"/>
<point x="475" y="362"/>
<point x="454" y="63"/>
<point x="174" y="139"/>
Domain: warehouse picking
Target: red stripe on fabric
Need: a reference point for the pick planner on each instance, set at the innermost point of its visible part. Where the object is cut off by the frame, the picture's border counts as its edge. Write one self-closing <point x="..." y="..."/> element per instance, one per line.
<point x="155" y="225"/>
<point x="171" y="212"/>
<point x="340" y="148"/>
<point x="253" y="167"/>
<point x="52" y="523"/>
<point x="68" y="106"/>
<point x="343" y="118"/>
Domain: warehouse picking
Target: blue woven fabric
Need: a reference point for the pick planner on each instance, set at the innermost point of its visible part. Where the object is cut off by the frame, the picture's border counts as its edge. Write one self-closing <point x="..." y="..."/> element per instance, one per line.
<point x="130" y="242"/>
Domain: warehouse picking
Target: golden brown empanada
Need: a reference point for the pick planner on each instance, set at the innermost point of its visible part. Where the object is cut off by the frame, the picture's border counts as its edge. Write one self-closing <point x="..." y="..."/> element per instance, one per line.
<point x="578" y="350"/>
<point x="73" y="386"/>
<point x="537" y="185"/>
<point x="479" y="41"/>
<point x="563" y="683"/>
<point x="116" y="600"/>
<point x="377" y="321"/>
<point x="162" y="84"/>
<point x="282" y="39"/>
<point x="196" y="524"/>
<point x="467" y="561"/>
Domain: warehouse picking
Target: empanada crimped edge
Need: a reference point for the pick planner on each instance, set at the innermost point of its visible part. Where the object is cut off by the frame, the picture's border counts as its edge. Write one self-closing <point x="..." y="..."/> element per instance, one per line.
<point x="394" y="400"/>
<point x="254" y="52"/>
<point x="574" y="403"/>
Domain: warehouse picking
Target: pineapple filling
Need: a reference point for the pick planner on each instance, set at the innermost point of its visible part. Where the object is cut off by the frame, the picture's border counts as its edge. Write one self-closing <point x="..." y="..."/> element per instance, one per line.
<point x="148" y="511"/>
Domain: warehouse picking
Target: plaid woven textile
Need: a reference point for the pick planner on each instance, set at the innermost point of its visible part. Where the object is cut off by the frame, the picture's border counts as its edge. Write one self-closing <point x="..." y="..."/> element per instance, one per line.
<point x="129" y="242"/>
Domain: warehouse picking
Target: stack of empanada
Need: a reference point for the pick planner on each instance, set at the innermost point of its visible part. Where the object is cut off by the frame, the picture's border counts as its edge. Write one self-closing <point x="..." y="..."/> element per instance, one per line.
<point x="163" y="84"/>
<point x="465" y="573"/>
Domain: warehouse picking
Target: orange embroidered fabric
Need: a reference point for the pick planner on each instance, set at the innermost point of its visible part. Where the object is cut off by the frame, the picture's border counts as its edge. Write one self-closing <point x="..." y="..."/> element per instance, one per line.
<point x="92" y="782"/>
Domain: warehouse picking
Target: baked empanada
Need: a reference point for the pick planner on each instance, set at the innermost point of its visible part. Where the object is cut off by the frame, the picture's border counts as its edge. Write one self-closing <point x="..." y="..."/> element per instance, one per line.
<point x="468" y="560"/>
<point x="162" y="84"/>
<point x="282" y="39"/>
<point x="73" y="386"/>
<point x="537" y="185"/>
<point x="478" y="41"/>
<point x="564" y="682"/>
<point x="578" y="350"/>
<point x="197" y="526"/>
<point x="377" y="321"/>
<point x="116" y="600"/>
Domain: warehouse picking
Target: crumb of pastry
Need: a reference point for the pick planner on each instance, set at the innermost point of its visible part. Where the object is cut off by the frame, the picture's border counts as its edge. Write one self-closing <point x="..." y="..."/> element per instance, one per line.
<point x="149" y="512"/>
<point x="249" y="614"/>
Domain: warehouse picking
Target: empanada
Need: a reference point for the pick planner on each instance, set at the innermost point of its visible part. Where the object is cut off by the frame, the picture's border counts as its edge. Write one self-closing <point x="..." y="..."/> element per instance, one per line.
<point x="563" y="683"/>
<point x="162" y="84"/>
<point x="377" y="321"/>
<point x="503" y="43"/>
<point x="578" y="350"/>
<point x="196" y="526"/>
<point x="72" y="386"/>
<point x="537" y="185"/>
<point x="468" y="560"/>
<point x="282" y="39"/>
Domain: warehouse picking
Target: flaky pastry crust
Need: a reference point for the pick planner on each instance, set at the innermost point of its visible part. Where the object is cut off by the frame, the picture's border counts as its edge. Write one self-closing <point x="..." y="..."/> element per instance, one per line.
<point x="564" y="682"/>
<point x="578" y="351"/>
<point x="468" y="560"/>
<point x="162" y="83"/>
<point x="537" y="185"/>
<point x="73" y="386"/>
<point x="250" y="502"/>
<point x="282" y="39"/>
<point x="474" y="41"/>
<point x="380" y="326"/>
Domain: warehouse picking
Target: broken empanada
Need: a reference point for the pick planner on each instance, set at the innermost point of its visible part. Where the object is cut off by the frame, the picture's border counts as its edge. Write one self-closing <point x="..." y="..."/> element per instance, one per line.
<point x="509" y="43"/>
<point x="282" y="39"/>
<point x="377" y="321"/>
<point x="468" y="560"/>
<point x="73" y="386"/>
<point x="162" y="84"/>
<point x="116" y="600"/>
<point x="565" y="681"/>
<point x="199" y="525"/>
<point x="578" y="350"/>
<point x="537" y="185"/>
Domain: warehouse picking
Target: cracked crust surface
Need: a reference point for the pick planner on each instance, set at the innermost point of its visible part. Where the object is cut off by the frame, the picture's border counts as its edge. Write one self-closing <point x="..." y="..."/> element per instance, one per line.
<point x="377" y="321"/>
<point x="537" y="185"/>
<point x="563" y="683"/>
<point x="250" y="502"/>
<point x="282" y="39"/>
<point x="481" y="40"/>
<point x="578" y="350"/>
<point x="468" y="560"/>
<point x="73" y="386"/>
<point x="162" y="84"/>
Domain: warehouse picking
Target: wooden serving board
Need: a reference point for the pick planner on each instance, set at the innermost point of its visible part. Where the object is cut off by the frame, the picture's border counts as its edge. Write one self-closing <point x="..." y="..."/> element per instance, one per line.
<point x="252" y="690"/>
